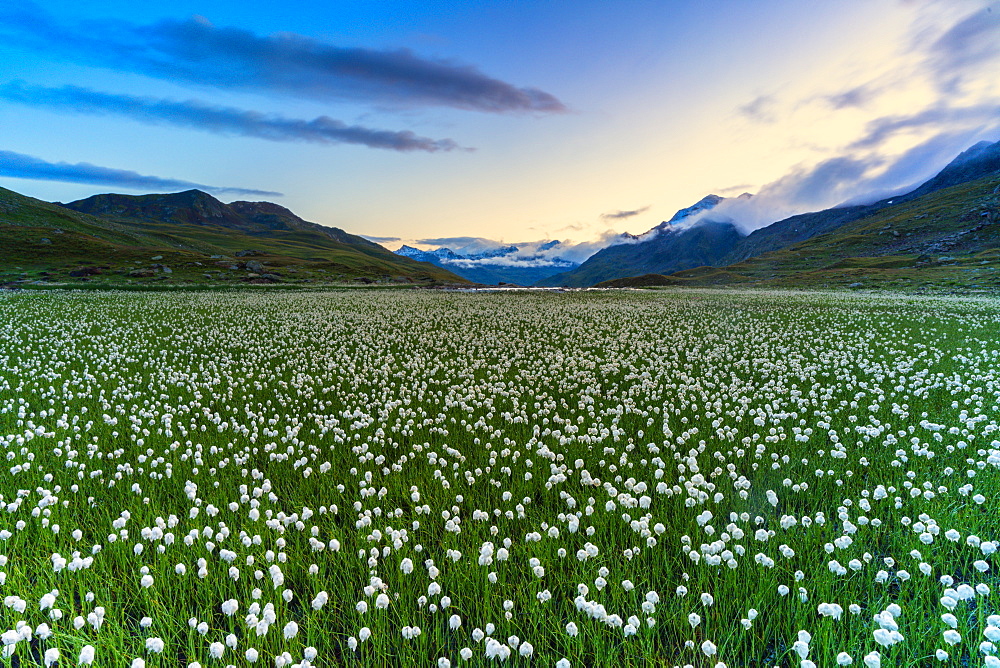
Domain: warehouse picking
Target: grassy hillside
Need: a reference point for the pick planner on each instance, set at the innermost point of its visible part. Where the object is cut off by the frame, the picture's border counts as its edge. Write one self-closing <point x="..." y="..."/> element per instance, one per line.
<point x="948" y="239"/>
<point x="179" y="243"/>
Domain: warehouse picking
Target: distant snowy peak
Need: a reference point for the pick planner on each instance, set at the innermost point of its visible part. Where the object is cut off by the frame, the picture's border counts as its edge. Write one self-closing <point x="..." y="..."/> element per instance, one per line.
<point x="503" y="255"/>
<point x="682" y="218"/>
<point x="439" y="254"/>
<point x="490" y="262"/>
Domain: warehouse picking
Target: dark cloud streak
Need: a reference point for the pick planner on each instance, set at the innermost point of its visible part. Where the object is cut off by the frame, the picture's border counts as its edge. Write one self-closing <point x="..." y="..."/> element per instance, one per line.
<point x="21" y="166"/>
<point x="622" y="215"/>
<point x="221" y="120"/>
<point x="760" y="109"/>
<point x="880" y="130"/>
<point x="195" y="51"/>
<point x="859" y="96"/>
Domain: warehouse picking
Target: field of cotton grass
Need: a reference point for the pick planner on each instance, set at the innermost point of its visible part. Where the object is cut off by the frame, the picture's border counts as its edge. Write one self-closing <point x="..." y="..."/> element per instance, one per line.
<point x="371" y="478"/>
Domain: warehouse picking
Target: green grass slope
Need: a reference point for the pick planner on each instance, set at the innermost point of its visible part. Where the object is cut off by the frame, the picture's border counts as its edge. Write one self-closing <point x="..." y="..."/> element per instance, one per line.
<point x="186" y="238"/>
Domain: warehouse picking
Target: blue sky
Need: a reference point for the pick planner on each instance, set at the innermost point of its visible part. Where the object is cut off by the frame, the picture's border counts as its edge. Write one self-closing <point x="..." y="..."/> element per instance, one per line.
<point x="512" y="121"/>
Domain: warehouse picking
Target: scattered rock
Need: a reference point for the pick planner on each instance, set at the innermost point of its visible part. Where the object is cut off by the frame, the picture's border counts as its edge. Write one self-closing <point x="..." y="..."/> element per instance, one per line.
<point x="141" y="273"/>
<point x="255" y="266"/>
<point x="84" y="271"/>
<point x="156" y="257"/>
<point x="44" y="241"/>
<point x="247" y="253"/>
<point x="854" y="285"/>
<point x="365" y="280"/>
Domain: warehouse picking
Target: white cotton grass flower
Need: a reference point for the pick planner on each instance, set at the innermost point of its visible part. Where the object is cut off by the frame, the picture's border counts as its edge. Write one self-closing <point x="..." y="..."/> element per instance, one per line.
<point x="138" y="662"/>
<point x="154" y="645"/>
<point x="86" y="656"/>
<point x="51" y="656"/>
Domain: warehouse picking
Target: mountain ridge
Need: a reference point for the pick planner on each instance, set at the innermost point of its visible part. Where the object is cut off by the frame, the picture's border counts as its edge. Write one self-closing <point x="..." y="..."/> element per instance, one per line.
<point x="114" y="233"/>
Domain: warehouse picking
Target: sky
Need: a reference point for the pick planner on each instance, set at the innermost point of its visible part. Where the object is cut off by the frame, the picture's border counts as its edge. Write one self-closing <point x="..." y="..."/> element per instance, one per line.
<point x="437" y="122"/>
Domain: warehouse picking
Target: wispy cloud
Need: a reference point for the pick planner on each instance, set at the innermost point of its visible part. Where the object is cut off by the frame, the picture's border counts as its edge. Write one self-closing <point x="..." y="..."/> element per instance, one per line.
<point x="622" y="215"/>
<point x="195" y="51"/>
<point x="856" y="96"/>
<point x="465" y="243"/>
<point x="21" y="166"/>
<point x="942" y="118"/>
<point x="380" y="240"/>
<point x="949" y="60"/>
<point x="760" y="109"/>
<point x="221" y="120"/>
<point x="964" y="48"/>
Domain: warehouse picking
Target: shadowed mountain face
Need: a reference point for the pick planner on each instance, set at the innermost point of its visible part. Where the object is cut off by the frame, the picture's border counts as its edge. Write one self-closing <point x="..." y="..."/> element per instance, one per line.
<point x="666" y="252"/>
<point x="668" y="247"/>
<point x="191" y="207"/>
